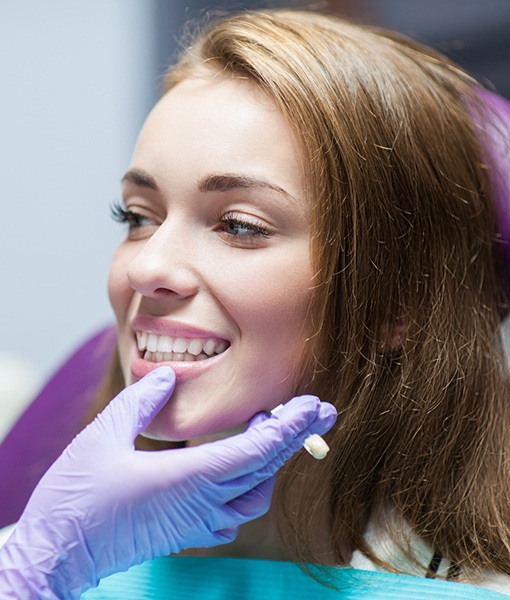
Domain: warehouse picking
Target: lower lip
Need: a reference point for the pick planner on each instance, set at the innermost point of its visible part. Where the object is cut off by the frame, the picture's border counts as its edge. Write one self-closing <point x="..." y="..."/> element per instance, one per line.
<point x="184" y="370"/>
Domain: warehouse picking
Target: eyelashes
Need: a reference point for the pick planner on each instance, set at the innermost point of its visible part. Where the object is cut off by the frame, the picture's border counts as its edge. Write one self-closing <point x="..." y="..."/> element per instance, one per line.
<point x="129" y="217"/>
<point x="240" y="227"/>
<point x="232" y="225"/>
<point x="118" y="212"/>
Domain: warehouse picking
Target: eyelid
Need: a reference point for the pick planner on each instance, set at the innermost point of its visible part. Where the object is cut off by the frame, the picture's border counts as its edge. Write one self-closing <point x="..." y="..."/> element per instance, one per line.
<point x="243" y="217"/>
<point x="133" y="217"/>
<point x="257" y="231"/>
<point x="143" y="210"/>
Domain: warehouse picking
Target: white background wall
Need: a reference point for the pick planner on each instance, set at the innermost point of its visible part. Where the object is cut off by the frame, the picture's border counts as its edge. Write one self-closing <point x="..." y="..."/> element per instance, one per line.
<point x="76" y="82"/>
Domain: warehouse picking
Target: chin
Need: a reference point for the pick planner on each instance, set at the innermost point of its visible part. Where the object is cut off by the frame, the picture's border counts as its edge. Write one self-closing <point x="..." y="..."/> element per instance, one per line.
<point x="167" y="426"/>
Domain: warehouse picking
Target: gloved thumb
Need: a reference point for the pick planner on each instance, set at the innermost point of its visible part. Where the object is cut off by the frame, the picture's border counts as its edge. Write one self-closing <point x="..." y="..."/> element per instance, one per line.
<point x="133" y="409"/>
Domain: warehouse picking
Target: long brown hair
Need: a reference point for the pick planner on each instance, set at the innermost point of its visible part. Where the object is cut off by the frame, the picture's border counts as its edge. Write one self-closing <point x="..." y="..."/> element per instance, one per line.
<point x="409" y="285"/>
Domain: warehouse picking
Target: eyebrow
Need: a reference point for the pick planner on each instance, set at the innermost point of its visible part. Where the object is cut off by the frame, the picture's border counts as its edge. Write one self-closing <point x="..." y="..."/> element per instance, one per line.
<point x="227" y="182"/>
<point x="224" y="182"/>
<point x="140" y="178"/>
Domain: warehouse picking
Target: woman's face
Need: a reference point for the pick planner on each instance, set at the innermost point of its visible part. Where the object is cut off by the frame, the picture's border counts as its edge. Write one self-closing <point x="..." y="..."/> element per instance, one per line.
<point x="214" y="276"/>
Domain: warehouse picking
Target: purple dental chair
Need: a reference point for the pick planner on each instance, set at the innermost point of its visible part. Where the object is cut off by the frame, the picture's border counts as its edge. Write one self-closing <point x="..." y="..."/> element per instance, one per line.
<point x="57" y="414"/>
<point x="50" y="422"/>
<point x="499" y="157"/>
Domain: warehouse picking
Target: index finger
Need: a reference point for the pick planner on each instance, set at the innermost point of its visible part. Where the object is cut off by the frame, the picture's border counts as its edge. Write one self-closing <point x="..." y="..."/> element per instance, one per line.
<point x="254" y="449"/>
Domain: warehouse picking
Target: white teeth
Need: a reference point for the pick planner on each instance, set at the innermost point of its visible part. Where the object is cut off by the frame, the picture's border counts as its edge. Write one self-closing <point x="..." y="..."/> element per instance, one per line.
<point x="209" y="347"/>
<point x="221" y="347"/>
<point x="142" y="336"/>
<point x="195" y="346"/>
<point x="152" y="342"/>
<point x="165" y="343"/>
<point x="165" y="348"/>
<point x="180" y="345"/>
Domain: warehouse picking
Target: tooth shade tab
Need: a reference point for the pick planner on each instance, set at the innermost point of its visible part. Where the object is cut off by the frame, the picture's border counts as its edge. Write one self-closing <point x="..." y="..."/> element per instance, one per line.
<point x="161" y="347"/>
<point x="316" y="446"/>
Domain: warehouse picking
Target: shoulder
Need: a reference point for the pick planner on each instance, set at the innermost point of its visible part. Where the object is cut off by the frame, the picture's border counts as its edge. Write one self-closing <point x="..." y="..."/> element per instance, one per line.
<point x="426" y="563"/>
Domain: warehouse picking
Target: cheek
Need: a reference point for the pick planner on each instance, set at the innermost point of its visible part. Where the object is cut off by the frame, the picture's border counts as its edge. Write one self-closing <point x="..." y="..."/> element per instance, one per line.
<point x="269" y="299"/>
<point x="119" y="289"/>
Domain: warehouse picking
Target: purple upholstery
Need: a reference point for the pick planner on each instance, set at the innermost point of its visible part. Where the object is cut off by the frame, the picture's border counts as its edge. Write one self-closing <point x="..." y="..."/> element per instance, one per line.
<point x="498" y="129"/>
<point x="50" y="423"/>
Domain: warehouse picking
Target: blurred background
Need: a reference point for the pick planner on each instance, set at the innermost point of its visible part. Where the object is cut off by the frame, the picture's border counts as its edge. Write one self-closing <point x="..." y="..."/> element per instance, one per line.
<point x="78" y="79"/>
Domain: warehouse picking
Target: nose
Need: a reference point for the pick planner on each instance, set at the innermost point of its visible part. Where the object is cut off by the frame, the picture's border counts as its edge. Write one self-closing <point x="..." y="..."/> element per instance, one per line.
<point x="164" y="266"/>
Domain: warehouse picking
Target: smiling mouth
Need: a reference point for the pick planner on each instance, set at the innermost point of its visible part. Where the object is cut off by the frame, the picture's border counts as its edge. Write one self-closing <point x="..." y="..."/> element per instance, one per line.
<point x="165" y="348"/>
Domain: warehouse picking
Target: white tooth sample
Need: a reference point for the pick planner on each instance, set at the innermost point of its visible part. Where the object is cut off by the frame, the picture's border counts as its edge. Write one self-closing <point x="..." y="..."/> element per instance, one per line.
<point x="180" y="345"/>
<point x="178" y="356"/>
<point x="221" y="347"/>
<point x="152" y="343"/>
<point x="142" y="336"/>
<point x="316" y="446"/>
<point x="195" y="346"/>
<point x="165" y="343"/>
<point x="159" y="356"/>
<point x="210" y="347"/>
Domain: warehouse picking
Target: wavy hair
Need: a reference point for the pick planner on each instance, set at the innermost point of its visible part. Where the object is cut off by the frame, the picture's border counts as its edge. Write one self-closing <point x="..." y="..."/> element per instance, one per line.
<point x="409" y="288"/>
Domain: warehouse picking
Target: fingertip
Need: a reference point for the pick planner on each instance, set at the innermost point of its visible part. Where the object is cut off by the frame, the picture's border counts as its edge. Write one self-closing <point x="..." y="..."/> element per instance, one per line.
<point x="149" y="395"/>
<point x="327" y="413"/>
<point x="226" y="536"/>
<point x="164" y="375"/>
<point x="316" y="416"/>
<point x="325" y="419"/>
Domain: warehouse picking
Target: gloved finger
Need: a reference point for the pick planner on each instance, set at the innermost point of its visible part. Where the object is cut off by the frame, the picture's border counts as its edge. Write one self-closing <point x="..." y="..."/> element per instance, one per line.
<point x="325" y="419"/>
<point x="129" y="413"/>
<point x="286" y="412"/>
<point x="255" y="502"/>
<point x="234" y="488"/>
<point x="225" y="516"/>
<point x="223" y="536"/>
<point x="260" y="444"/>
<point x="258" y="418"/>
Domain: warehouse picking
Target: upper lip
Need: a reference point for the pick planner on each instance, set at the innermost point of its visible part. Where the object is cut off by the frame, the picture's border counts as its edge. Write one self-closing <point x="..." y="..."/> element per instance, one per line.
<point x="171" y="327"/>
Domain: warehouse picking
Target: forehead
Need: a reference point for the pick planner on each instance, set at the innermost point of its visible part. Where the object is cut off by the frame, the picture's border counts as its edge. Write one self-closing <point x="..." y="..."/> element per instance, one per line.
<point x="215" y="125"/>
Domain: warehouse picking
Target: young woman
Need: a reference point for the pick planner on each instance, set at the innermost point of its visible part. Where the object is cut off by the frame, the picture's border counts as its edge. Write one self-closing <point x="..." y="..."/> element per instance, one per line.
<point x="311" y="208"/>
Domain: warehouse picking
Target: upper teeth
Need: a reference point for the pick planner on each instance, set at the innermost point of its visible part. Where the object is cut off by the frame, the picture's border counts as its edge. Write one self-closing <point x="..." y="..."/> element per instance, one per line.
<point x="166" y="347"/>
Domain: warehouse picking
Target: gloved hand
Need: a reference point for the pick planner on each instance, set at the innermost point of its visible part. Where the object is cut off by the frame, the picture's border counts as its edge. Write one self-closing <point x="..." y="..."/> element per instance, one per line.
<point x="104" y="506"/>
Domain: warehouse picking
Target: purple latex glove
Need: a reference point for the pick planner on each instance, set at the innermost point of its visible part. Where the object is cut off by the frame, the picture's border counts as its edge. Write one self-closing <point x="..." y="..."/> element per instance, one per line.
<point x="104" y="506"/>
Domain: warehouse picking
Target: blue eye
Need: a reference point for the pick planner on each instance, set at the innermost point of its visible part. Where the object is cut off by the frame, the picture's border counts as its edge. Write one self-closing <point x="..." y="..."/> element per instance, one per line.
<point x="236" y="227"/>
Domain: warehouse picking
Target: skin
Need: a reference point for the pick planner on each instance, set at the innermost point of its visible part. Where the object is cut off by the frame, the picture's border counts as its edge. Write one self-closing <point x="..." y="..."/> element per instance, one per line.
<point x="195" y="256"/>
